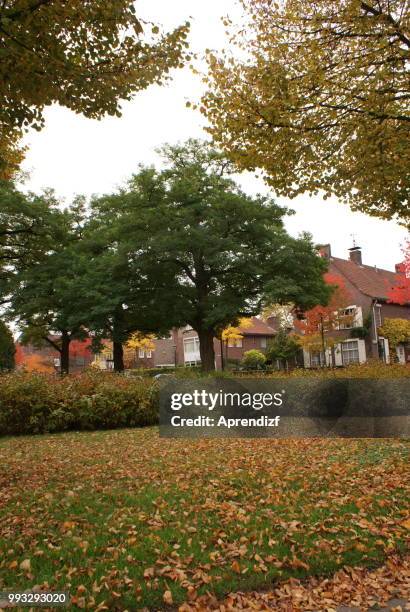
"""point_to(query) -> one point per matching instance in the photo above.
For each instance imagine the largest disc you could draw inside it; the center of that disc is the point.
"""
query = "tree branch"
(387, 17)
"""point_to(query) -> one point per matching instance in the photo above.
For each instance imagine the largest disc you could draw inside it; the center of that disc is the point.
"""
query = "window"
(191, 345)
(347, 317)
(141, 353)
(378, 315)
(350, 352)
(149, 354)
(316, 359)
(263, 342)
(191, 350)
(235, 342)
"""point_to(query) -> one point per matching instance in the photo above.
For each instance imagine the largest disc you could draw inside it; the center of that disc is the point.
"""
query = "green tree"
(318, 98)
(7, 348)
(284, 347)
(29, 227)
(222, 253)
(87, 55)
(116, 298)
(44, 294)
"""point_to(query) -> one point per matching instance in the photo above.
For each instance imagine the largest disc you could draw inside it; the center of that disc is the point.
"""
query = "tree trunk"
(65, 353)
(206, 349)
(118, 354)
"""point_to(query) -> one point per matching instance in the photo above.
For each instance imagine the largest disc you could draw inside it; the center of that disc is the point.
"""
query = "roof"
(257, 328)
(371, 281)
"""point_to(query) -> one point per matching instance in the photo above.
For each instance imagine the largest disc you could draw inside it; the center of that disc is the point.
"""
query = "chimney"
(400, 268)
(325, 251)
(355, 255)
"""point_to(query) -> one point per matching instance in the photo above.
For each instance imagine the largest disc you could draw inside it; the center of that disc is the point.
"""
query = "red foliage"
(19, 354)
(80, 348)
(400, 292)
(329, 314)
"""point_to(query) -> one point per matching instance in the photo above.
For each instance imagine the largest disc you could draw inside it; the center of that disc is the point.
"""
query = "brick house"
(255, 336)
(369, 288)
(181, 347)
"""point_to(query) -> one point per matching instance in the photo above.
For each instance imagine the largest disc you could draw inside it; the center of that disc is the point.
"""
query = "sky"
(74, 155)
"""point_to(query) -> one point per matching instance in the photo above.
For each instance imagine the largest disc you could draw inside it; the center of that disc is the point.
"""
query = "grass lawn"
(132, 520)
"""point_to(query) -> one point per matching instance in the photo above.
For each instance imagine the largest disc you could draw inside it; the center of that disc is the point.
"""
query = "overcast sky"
(76, 155)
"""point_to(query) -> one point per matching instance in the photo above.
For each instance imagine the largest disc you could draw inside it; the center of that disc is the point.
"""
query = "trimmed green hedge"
(37, 403)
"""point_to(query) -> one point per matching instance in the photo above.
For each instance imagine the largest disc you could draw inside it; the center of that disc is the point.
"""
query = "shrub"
(253, 359)
(39, 403)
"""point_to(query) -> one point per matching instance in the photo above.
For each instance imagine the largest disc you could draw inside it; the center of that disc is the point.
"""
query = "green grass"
(94, 511)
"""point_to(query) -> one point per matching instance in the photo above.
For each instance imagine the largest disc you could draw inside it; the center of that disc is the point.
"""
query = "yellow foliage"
(397, 331)
(234, 333)
(86, 56)
(138, 340)
(11, 153)
(315, 93)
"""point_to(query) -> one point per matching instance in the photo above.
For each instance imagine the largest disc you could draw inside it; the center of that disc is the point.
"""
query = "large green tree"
(223, 253)
(44, 295)
(113, 298)
(87, 55)
(317, 96)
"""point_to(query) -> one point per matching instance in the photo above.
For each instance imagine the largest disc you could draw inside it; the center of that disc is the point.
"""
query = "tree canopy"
(30, 225)
(44, 298)
(317, 96)
(87, 55)
(209, 252)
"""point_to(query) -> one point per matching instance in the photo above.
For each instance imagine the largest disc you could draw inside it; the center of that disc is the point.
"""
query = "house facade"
(181, 348)
(369, 288)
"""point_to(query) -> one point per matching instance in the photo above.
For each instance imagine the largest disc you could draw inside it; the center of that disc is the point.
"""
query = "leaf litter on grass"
(126, 520)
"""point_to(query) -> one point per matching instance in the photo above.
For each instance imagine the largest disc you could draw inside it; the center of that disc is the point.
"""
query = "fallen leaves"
(351, 587)
(167, 597)
(25, 565)
(125, 516)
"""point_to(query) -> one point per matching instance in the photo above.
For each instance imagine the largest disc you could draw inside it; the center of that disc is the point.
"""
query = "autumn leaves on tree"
(317, 97)
(87, 55)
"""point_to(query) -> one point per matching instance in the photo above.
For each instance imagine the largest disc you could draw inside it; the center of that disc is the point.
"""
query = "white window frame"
(235, 342)
(357, 317)
(141, 353)
(148, 354)
(349, 350)
(378, 315)
(191, 357)
(264, 342)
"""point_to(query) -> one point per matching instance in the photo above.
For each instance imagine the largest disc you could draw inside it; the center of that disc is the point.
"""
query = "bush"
(253, 359)
(38, 403)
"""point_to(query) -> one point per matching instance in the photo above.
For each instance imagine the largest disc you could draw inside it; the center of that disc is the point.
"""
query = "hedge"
(32, 403)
